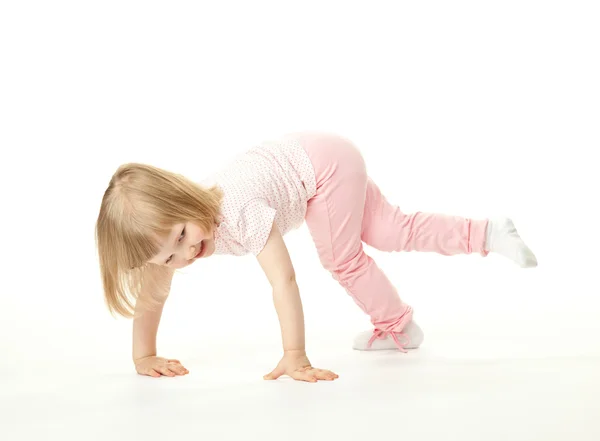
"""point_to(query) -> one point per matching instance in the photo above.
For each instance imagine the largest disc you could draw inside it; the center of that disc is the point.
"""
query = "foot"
(411, 337)
(502, 238)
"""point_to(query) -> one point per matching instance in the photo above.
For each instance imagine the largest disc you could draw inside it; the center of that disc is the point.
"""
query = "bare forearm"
(148, 310)
(286, 298)
(145, 328)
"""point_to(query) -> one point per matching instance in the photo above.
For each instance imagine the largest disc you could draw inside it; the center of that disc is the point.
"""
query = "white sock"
(502, 238)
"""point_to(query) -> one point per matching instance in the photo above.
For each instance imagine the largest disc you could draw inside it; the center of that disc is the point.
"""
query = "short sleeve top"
(269, 183)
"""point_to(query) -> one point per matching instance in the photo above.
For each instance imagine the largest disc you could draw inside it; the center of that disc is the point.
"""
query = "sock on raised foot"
(502, 238)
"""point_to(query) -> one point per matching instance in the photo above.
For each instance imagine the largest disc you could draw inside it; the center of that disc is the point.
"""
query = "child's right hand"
(156, 366)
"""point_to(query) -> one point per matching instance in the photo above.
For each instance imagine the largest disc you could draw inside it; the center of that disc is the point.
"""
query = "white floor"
(440, 392)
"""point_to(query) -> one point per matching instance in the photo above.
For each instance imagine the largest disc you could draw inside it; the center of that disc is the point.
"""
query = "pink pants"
(349, 209)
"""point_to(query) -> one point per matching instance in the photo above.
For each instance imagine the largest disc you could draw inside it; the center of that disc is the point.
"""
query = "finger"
(175, 364)
(304, 376)
(178, 369)
(324, 374)
(275, 374)
(170, 360)
(333, 374)
(164, 370)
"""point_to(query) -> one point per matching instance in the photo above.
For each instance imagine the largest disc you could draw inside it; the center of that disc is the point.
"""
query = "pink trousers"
(349, 209)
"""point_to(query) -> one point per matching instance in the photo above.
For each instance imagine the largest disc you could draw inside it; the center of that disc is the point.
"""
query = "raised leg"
(386, 228)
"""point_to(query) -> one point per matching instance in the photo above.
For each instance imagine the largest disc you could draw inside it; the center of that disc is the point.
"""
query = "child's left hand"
(295, 364)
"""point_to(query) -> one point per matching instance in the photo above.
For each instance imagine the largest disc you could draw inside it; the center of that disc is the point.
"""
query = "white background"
(468, 108)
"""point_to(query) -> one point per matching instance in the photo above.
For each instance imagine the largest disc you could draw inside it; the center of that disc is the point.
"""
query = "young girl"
(152, 222)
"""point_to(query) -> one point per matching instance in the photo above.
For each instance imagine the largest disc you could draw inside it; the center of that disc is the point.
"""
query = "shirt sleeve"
(255, 224)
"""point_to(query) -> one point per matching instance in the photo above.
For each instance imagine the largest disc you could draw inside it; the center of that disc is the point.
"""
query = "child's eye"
(178, 240)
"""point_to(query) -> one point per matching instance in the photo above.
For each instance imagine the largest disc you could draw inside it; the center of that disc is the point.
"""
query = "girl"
(152, 222)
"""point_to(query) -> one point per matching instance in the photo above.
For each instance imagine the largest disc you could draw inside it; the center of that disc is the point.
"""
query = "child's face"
(185, 243)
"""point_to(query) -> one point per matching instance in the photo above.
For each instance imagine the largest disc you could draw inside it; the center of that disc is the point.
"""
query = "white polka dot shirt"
(271, 182)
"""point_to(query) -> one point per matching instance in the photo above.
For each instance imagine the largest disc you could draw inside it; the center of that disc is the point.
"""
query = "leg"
(386, 228)
(334, 218)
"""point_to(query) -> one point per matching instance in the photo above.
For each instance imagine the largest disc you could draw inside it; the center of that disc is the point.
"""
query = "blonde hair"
(141, 205)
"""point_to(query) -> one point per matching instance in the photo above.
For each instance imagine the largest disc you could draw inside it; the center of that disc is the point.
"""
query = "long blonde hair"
(141, 205)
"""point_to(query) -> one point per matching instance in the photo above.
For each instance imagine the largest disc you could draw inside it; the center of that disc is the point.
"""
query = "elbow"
(291, 278)
(284, 281)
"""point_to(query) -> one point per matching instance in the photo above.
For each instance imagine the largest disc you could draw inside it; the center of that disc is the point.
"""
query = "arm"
(148, 311)
(276, 263)
(145, 328)
(147, 319)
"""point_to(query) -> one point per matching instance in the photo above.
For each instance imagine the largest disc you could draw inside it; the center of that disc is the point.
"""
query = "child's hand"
(295, 364)
(157, 366)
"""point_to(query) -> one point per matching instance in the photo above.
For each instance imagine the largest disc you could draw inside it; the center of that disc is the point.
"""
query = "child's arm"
(145, 327)
(276, 263)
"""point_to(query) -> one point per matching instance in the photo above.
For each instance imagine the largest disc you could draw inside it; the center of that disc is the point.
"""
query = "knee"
(345, 272)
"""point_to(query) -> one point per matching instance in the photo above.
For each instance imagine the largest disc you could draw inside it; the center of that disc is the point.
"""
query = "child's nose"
(191, 252)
